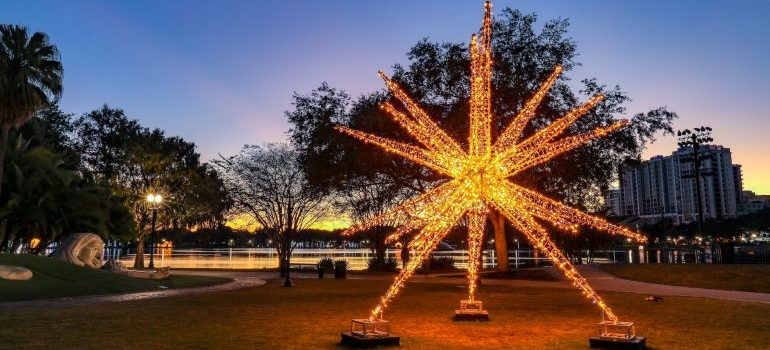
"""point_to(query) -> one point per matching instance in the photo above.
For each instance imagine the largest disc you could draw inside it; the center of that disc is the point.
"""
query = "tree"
(361, 182)
(134, 161)
(268, 184)
(46, 201)
(437, 75)
(103, 138)
(53, 129)
(33, 177)
(204, 201)
(366, 197)
(30, 78)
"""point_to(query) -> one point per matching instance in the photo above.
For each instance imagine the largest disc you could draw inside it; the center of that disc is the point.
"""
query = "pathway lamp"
(697, 140)
(517, 251)
(153, 200)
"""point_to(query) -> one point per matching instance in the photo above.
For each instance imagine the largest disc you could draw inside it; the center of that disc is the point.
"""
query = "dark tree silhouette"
(267, 184)
(30, 78)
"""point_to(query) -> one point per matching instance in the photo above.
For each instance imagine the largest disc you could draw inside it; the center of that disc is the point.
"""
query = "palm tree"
(45, 200)
(30, 78)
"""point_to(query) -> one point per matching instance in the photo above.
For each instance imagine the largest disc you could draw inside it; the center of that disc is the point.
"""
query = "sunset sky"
(221, 73)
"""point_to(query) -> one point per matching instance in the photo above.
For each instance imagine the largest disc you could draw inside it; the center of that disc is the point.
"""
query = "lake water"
(262, 258)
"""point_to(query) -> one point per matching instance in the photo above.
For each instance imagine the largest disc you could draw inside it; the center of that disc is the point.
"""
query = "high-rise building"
(738, 182)
(752, 203)
(650, 189)
(658, 188)
(717, 184)
(613, 202)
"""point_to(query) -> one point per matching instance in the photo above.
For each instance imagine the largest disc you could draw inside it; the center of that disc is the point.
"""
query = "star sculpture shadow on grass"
(479, 177)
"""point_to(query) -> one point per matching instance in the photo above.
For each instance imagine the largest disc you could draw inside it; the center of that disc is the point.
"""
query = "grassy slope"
(749, 278)
(55, 279)
(312, 314)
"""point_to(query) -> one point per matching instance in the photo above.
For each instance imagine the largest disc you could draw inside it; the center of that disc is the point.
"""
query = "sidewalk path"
(599, 279)
(602, 280)
(238, 282)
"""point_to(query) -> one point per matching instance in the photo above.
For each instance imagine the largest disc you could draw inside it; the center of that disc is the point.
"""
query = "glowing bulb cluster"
(479, 178)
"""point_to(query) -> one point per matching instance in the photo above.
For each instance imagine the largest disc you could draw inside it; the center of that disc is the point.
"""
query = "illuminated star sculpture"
(480, 177)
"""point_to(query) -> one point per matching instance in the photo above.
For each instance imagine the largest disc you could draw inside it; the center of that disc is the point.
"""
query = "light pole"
(154, 201)
(696, 140)
(517, 251)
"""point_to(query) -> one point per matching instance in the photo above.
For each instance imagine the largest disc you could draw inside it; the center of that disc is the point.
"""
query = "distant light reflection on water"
(266, 258)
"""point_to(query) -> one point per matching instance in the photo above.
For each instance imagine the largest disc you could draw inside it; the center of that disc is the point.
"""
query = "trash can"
(321, 271)
(727, 253)
(340, 269)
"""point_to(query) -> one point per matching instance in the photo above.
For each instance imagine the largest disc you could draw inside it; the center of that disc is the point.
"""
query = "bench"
(303, 267)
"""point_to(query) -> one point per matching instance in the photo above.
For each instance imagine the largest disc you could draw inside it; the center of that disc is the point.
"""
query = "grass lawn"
(531, 274)
(55, 279)
(312, 314)
(749, 278)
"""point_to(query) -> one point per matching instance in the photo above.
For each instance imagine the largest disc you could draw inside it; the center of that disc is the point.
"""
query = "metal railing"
(265, 258)
(358, 258)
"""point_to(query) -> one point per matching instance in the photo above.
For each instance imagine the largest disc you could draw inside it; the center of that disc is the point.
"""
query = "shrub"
(371, 265)
(442, 263)
(326, 264)
(390, 264)
(343, 263)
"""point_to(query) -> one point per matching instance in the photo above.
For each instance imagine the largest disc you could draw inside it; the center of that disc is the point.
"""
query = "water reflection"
(265, 258)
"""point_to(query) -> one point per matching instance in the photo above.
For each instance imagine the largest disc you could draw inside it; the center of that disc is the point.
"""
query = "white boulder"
(14, 273)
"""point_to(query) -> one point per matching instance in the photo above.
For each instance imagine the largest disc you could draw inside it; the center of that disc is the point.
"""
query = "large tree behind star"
(438, 76)
(30, 78)
(363, 182)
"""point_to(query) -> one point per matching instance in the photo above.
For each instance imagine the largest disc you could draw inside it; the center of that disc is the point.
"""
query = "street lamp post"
(696, 140)
(153, 200)
(517, 252)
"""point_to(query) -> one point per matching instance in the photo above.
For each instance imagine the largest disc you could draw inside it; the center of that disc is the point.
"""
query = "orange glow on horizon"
(244, 222)
(332, 224)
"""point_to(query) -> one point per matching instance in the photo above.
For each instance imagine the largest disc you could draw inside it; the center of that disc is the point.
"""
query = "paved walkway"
(603, 281)
(600, 280)
(238, 282)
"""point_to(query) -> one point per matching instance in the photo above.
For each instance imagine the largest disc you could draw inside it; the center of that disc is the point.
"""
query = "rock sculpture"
(14, 273)
(82, 249)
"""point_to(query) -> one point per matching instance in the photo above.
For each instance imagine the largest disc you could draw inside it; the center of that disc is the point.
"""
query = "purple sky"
(221, 73)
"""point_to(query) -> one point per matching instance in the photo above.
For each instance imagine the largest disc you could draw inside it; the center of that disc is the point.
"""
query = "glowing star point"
(479, 177)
